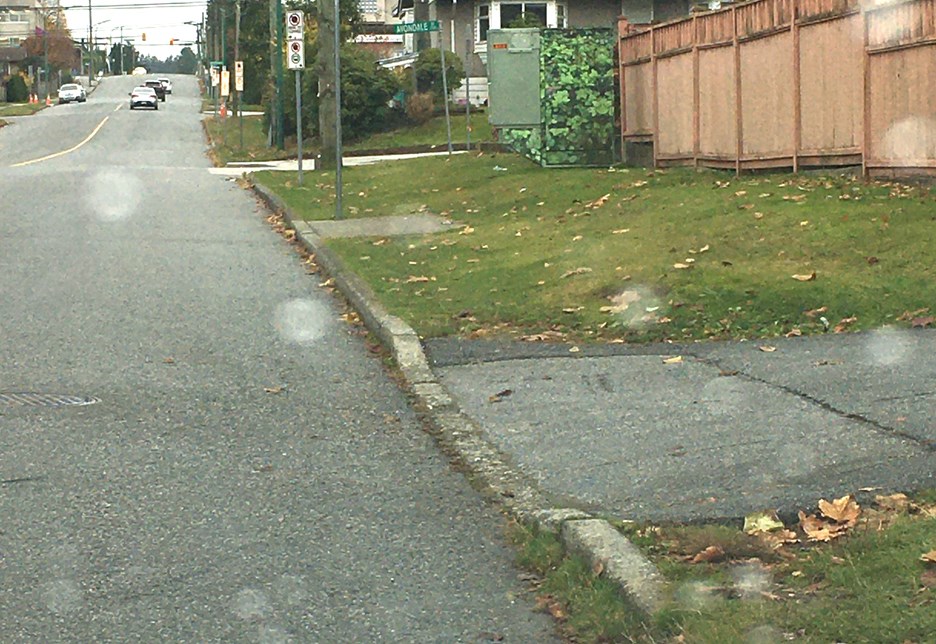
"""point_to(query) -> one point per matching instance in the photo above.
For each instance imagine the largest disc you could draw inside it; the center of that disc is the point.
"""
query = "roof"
(12, 54)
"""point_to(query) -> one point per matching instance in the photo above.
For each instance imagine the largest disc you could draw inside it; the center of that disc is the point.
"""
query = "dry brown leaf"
(895, 502)
(412, 279)
(598, 568)
(620, 231)
(843, 510)
(681, 266)
(545, 336)
(766, 348)
(814, 312)
(929, 557)
(922, 322)
(499, 396)
(805, 278)
(576, 271)
(818, 530)
(712, 554)
(778, 538)
(794, 333)
(467, 230)
(844, 323)
(274, 390)
(169, 360)
(673, 360)
(704, 248)
(909, 315)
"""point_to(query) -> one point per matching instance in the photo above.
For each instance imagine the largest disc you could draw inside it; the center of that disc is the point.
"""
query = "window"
(502, 15)
(483, 22)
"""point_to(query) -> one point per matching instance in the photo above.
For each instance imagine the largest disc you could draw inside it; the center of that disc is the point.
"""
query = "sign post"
(425, 26)
(295, 60)
(239, 87)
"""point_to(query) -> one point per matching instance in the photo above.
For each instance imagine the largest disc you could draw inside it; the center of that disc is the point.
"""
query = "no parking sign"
(295, 40)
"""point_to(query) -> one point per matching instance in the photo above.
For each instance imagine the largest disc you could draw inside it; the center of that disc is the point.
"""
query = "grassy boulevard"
(631, 255)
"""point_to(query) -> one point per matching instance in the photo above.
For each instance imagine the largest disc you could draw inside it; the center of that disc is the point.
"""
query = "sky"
(160, 20)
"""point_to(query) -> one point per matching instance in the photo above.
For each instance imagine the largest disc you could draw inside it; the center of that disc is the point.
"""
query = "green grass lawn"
(870, 585)
(20, 109)
(225, 135)
(632, 255)
(433, 132)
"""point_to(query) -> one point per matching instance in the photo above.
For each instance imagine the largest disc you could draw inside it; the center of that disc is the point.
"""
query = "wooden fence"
(786, 83)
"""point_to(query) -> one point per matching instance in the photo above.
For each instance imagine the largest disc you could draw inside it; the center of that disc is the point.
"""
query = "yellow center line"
(119, 106)
(63, 152)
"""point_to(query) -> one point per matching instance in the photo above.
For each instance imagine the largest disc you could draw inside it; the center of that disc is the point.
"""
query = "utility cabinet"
(514, 77)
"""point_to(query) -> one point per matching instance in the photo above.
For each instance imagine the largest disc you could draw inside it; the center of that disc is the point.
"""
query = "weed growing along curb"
(632, 255)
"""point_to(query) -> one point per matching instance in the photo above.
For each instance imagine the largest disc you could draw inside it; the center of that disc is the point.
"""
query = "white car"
(71, 92)
(167, 85)
(144, 96)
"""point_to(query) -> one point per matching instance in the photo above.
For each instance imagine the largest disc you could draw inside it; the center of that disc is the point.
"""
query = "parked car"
(157, 87)
(167, 84)
(144, 96)
(71, 92)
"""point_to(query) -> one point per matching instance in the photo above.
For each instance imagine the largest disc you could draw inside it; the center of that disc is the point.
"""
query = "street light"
(91, 50)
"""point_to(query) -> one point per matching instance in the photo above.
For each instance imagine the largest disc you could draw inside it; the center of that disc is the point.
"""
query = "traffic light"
(144, 36)
(172, 41)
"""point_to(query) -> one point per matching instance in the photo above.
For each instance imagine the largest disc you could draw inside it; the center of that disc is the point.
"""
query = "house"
(10, 57)
(18, 21)
(465, 24)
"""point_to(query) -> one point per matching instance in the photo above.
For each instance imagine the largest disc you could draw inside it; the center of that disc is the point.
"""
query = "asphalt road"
(250, 473)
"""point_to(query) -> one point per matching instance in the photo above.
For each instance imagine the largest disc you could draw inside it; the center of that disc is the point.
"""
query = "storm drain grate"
(31, 399)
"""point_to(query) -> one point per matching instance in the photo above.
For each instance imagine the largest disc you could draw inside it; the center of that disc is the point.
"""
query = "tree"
(188, 62)
(53, 45)
(429, 72)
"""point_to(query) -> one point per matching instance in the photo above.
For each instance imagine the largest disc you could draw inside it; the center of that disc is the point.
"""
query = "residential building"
(18, 20)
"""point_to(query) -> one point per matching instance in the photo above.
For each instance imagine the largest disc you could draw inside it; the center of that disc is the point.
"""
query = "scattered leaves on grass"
(929, 557)
(922, 322)
(673, 360)
(805, 278)
(545, 336)
(818, 530)
(576, 271)
(499, 396)
(906, 316)
(599, 202)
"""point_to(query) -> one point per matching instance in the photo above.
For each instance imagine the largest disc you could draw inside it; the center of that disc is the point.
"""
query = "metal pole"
(121, 51)
(90, 48)
(299, 124)
(448, 123)
(278, 60)
(468, 53)
(338, 151)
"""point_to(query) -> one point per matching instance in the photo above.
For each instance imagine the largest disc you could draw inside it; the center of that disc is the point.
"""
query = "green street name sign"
(417, 27)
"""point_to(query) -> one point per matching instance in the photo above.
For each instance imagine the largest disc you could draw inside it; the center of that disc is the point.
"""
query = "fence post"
(739, 116)
(623, 28)
(797, 89)
(656, 97)
(866, 95)
(696, 94)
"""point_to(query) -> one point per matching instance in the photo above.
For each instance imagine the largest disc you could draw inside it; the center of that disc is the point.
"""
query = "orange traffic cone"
(48, 101)
(223, 110)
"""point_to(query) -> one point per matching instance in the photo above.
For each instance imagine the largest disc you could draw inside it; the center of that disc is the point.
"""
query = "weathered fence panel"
(786, 83)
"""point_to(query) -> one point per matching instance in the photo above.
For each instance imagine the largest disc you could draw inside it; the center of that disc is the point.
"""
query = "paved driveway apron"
(728, 430)
(249, 473)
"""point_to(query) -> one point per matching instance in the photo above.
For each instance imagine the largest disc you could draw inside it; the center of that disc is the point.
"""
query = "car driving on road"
(71, 92)
(167, 85)
(157, 87)
(144, 96)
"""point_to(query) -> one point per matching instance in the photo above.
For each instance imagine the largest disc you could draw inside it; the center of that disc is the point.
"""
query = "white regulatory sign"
(225, 82)
(239, 75)
(295, 54)
(294, 25)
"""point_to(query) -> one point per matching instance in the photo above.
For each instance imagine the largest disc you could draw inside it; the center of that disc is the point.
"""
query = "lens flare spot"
(301, 321)
(113, 195)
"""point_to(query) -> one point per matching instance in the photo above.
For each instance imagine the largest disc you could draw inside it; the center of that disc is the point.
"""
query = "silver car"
(71, 92)
(143, 97)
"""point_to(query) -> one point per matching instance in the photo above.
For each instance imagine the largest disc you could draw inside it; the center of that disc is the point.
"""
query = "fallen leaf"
(928, 578)
(412, 279)
(804, 223)
(908, 315)
(500, 395)
(576, 271)
(682, 266)
(895, 502)
(545, 336)
(843, 510)
(168, 360)
(711, 554)
(793, 333)
(758, 215)
(598, 568)
(762, 522)
(704, 248)
(728, 372)
(673, 360)
(929, 557)
(844, 323)
(805, 278)
(467, 230)
(818, 530)
(572, 309)
(923, 322)
(872, 260)
(274, 390)
(778, 538)
(814, 312)
(620, 231)
(766, 348)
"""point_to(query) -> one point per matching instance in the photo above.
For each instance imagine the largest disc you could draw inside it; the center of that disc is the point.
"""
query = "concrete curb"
(462, 439)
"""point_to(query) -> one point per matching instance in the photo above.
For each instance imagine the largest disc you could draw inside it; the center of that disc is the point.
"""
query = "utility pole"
(325, 66)
(121, 51)
(237, 102)
(280, 99)
(90, 48)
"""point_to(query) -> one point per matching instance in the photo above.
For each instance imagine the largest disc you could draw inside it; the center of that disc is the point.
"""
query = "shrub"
(420, 107)
(429, 72)
(17, 91)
